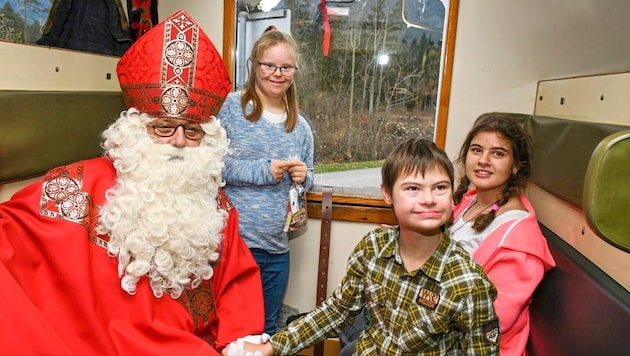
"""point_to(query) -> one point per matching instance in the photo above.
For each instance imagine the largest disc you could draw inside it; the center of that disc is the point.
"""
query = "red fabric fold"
(326, 42)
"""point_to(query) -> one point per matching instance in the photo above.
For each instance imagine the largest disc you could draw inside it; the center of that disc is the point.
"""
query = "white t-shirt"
(469, 239)
(274, 118)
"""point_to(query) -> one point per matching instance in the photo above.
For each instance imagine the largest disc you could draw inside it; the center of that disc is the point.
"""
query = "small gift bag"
(296, 211)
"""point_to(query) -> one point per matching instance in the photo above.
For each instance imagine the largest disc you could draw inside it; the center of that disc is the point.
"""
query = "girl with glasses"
(271, 150)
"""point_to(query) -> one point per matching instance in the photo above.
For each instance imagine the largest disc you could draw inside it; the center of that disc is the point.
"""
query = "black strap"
(324, 252)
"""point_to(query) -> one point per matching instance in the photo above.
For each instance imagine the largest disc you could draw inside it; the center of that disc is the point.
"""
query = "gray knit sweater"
(261, 203)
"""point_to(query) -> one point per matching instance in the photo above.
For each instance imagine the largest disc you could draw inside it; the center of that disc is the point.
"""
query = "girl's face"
(490, 161)
(422, 203)
(275, 84)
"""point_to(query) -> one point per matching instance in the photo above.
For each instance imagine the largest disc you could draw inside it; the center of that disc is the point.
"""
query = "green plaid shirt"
(444, 308)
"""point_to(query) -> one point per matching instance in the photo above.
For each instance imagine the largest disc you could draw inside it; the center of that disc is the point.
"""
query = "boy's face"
(422, 203)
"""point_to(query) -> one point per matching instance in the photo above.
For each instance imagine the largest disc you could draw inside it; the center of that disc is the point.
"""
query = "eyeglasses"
(167, 130)
(269, 69)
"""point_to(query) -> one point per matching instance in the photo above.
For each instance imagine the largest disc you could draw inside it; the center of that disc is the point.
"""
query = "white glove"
(237, 348)
(257, 339)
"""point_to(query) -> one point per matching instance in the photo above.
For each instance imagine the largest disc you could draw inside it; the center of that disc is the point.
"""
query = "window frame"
(349, 206)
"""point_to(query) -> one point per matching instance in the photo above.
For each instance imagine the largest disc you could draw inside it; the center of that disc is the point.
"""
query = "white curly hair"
(162, 215)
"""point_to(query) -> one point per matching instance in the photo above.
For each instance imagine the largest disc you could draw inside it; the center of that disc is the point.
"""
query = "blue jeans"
(274, 271)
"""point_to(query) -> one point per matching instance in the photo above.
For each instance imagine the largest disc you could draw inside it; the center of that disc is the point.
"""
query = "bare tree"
(34, 8)
(361, 107)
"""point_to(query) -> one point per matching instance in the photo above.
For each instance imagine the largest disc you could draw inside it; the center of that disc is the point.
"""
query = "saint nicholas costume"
(61, 289)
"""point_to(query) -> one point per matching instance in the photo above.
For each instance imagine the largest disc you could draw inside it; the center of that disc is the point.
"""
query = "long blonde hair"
(269, 39)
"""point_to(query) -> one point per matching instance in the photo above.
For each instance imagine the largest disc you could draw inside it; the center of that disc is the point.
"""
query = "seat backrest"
(45, 129)
(578, 309)
(562, 150)
(606, 198)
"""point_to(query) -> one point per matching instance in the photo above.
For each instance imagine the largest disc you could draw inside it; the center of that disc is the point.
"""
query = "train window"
(112, 26)
(368, 78)
(22, 21)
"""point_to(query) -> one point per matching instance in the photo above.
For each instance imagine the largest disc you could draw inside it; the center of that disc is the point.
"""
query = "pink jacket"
(515, 257)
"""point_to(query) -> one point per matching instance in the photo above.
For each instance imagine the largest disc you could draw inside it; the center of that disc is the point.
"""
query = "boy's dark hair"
(413, 156)
(512, 131)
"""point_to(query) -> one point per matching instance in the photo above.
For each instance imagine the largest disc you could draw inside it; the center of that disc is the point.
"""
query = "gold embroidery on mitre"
(179, 56)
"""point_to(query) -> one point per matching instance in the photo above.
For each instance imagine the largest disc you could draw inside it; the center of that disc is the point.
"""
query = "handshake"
(237, 348)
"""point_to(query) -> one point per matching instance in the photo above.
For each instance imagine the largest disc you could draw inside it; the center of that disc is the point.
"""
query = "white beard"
(162, 215)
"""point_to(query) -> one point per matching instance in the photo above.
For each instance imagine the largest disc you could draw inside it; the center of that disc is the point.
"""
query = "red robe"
(60, 291)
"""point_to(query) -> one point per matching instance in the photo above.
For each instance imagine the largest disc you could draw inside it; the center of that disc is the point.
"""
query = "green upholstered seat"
(606, 197)
(562, 149)
(42, 130)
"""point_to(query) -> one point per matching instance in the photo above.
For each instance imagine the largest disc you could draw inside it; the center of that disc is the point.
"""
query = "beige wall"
(32, 67)
(207, 13)
(509, 53)
(504, 47)
(601, 98)
(302, 289)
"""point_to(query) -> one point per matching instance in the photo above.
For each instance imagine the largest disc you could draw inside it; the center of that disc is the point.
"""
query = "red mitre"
(174, 71)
